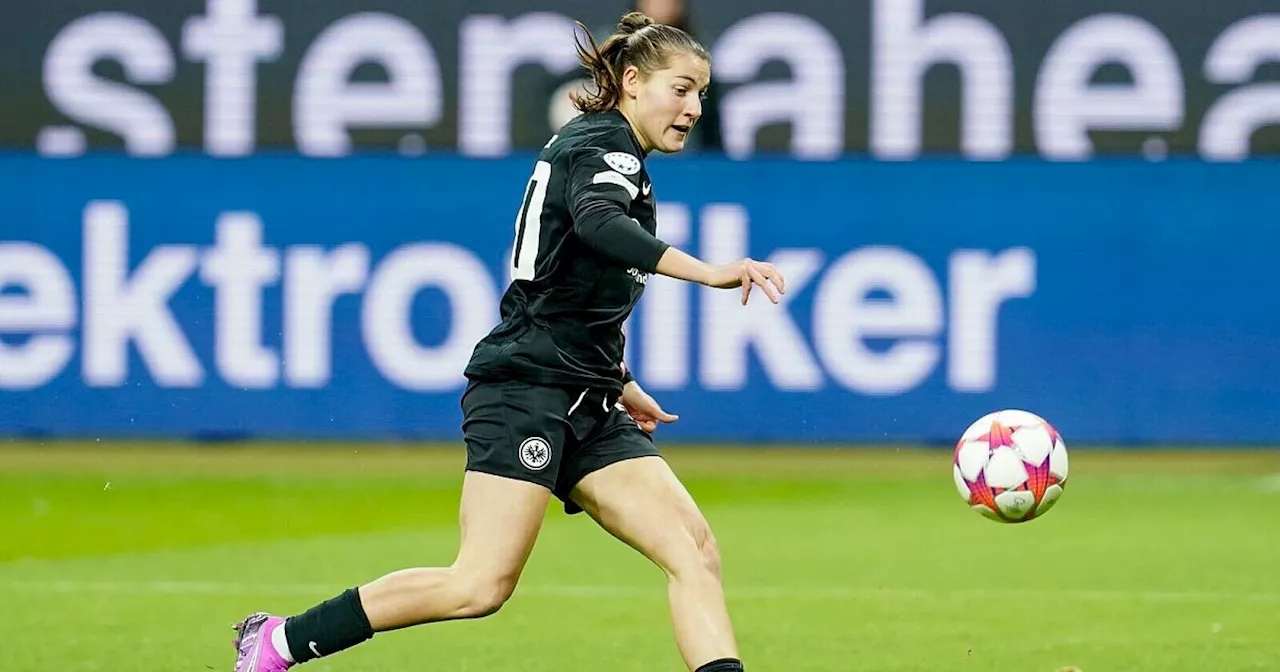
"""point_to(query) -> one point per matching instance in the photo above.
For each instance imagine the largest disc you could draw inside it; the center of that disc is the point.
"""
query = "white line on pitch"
(605, 591)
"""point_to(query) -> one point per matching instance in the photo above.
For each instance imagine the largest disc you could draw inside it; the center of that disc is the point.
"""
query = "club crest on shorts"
(535, 453)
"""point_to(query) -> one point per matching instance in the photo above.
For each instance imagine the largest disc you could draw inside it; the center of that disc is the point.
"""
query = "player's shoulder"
(603, 135)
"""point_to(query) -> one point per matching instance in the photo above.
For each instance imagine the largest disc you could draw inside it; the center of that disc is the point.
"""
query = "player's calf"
(401, 599)
(426, 595)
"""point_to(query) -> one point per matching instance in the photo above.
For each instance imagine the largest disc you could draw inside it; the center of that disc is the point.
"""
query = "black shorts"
(547, 435)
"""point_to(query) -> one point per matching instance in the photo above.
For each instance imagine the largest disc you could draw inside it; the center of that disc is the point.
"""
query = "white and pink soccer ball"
(1011, 466)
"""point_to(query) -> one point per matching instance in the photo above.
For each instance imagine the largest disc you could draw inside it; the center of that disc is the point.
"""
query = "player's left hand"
(643, 408)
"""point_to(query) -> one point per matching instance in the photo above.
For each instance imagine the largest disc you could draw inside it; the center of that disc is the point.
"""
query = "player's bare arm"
(746, 273)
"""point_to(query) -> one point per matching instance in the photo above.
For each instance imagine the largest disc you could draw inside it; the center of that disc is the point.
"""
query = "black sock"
(722, 665)
(327, 628)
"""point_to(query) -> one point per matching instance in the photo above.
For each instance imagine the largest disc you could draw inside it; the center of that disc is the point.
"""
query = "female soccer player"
(549, 407)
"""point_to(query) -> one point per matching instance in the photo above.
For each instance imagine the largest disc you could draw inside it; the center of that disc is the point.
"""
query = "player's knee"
(708, 550)
(698, 557)
(486, 595)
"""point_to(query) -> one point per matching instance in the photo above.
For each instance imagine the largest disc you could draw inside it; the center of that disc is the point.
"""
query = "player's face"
(669, 102)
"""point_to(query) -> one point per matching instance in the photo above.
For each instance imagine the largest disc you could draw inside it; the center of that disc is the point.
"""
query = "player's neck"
(629, 114)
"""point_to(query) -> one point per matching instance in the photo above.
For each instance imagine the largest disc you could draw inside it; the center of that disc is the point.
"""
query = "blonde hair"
(638, 41)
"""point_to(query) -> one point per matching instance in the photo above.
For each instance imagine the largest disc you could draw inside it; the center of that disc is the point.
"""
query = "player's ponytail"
(638, 41)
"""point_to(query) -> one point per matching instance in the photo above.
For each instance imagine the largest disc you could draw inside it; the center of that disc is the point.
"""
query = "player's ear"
(631, 81)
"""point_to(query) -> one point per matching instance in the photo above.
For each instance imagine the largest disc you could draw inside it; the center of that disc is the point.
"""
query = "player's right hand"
(746, 274)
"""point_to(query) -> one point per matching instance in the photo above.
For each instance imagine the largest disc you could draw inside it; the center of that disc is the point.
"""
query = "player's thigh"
(514, 434)
(642, 502)
(500, 519)
(615, 438)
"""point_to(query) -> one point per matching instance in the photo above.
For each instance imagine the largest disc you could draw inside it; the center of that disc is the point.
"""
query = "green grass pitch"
(121, 558)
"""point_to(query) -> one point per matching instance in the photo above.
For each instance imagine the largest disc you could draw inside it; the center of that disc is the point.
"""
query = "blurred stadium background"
(246, 247)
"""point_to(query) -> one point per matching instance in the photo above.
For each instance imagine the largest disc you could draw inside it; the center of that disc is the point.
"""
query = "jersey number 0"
(524, 258)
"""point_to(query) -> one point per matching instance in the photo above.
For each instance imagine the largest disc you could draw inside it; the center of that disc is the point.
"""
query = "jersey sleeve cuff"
(658, 249)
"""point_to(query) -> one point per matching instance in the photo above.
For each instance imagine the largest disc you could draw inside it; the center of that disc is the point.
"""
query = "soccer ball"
(1011, 466)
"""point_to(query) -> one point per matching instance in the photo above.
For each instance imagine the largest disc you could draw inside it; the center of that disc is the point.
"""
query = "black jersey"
(585, 246)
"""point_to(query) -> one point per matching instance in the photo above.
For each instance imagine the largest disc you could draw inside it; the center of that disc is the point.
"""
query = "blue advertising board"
(287, 297)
